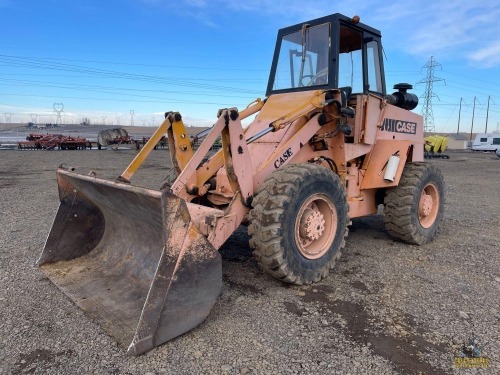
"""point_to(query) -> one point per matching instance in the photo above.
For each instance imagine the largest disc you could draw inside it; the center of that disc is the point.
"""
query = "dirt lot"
(387, 308)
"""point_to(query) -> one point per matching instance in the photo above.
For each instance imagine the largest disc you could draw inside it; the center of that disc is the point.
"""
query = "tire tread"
(269, 205)
(400, 204)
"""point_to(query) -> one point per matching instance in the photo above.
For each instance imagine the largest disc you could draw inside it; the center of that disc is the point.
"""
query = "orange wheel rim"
(315, 226)
(428, 206)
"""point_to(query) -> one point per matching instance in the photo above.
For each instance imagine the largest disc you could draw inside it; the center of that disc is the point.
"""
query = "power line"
(155, 100)
(235, 80)
(94, 88)
(136, 64)
(41, 64)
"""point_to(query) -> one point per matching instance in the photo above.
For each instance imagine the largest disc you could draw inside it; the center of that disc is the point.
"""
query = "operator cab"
(328, 53)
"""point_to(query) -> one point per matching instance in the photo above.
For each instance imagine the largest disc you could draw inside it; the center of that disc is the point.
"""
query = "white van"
(486, 142)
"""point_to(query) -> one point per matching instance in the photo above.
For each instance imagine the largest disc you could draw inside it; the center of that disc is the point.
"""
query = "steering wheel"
(319, 78)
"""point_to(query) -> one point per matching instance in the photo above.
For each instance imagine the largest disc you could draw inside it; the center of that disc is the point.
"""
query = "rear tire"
(415, 208)
(299, 223)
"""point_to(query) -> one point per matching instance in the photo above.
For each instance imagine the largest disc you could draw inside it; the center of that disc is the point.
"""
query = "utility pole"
(487, 113)
(429, 94)
(459, 112)
(473, 112)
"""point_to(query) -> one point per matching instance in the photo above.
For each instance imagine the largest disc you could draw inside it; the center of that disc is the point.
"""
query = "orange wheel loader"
(326, 145)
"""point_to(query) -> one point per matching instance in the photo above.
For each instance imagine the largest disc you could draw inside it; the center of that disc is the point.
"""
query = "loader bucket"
(132, 259)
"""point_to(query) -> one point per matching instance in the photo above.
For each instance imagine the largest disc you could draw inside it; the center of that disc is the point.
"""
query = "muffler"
(132, 259)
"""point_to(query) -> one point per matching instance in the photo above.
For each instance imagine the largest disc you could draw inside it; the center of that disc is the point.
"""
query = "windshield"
(303, 58)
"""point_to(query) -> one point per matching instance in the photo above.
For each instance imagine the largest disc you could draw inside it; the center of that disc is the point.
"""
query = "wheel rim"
(315, 226)
(428, 206)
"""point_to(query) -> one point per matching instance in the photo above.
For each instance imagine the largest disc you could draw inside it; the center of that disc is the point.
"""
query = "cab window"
(351, 59)
(303, 58)
(374, 72)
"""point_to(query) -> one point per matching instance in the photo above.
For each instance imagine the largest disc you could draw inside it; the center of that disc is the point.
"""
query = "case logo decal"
(398, 126)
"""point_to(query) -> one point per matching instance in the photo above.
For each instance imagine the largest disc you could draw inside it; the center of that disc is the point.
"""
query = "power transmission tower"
(429, 94)
(8, 115)
(58, 109)
(34, 118)
(132, 117)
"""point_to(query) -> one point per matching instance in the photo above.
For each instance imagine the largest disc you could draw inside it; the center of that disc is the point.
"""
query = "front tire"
(299, 223)
(415, 208)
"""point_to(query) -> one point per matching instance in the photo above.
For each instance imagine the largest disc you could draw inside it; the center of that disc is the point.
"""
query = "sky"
(124, 61)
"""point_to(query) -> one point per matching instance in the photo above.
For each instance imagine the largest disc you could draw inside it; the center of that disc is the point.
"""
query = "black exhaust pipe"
(401, 98)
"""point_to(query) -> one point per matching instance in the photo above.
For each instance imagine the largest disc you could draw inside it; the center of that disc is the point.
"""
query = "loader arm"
(180, 146)
(236, 159)
(269, 133)
(180, 151)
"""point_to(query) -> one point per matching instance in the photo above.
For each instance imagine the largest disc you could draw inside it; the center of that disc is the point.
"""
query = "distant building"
(458, 141)
(455, 141)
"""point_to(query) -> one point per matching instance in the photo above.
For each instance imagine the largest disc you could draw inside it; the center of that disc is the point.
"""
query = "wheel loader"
(326, 145)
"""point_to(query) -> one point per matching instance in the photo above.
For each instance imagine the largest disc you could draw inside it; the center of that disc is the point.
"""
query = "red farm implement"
(53, 141)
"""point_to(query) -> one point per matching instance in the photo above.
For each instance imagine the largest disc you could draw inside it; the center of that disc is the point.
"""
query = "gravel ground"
(387, 308)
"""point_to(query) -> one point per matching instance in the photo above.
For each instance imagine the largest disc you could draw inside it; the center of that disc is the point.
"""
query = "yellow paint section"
(283, 108)
(183, 149)
(144, 152)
